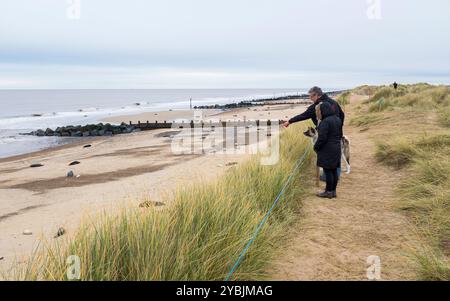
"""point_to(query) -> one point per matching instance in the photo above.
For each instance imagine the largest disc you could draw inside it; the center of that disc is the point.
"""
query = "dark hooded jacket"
(328, 145)
(310, 113)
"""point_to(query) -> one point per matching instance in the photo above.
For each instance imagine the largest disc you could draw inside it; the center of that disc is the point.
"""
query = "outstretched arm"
(308, 114)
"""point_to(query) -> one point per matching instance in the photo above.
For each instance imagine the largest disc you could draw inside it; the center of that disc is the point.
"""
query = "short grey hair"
(316, 90)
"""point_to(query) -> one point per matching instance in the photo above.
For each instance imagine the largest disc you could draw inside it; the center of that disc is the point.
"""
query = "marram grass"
(421, 97)
(425, 193)
(198, 237)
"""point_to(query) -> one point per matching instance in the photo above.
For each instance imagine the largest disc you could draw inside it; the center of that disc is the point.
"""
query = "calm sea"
(26, 110)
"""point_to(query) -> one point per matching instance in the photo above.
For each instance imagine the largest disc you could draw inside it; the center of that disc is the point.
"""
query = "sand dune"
(116, 170)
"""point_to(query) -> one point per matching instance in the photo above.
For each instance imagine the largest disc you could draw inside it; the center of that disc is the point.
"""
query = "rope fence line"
(263, 221)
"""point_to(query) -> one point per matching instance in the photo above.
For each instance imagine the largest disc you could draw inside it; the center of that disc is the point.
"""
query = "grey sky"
(222, 44)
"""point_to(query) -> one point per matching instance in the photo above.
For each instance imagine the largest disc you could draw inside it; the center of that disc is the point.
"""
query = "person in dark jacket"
(317, 96)
(328, 148)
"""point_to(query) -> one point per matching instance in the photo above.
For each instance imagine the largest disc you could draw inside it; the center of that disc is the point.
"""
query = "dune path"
(334, 238)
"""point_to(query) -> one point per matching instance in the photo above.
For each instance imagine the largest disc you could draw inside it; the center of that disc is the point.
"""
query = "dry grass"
(365, 90)
(365, 120)
(400, 151)
(425, 193)
(444, 117)
(417, 97)
(344, 98)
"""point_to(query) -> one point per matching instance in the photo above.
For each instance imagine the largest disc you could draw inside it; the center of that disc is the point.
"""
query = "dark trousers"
(332, 178)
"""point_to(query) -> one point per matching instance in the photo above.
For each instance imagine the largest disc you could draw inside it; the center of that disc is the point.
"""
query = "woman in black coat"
(328, 148)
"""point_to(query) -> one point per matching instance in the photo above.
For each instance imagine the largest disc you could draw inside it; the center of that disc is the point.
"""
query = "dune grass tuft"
(417, 97)
(432, 265)
(368, 119)
(444, 117)
(425, 195)
(366, 90)
(396, 153)
(344, 98)
(198, 237)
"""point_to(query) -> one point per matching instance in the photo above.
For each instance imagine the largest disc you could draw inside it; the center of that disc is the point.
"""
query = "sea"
(22, 111)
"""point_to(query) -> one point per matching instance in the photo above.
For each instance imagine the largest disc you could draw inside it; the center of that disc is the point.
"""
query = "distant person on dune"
(317, 96)
(395, 85)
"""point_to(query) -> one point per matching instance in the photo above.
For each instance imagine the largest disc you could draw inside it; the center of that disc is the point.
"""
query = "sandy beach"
(114, 171)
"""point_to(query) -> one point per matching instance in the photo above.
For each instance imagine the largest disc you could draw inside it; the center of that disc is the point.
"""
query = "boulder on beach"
(49, 132)
(70, 174)
(128, 130)
(40, 133)
(93, 130)
(27, 232)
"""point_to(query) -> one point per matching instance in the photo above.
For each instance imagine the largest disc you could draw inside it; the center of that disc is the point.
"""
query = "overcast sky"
(222, 43)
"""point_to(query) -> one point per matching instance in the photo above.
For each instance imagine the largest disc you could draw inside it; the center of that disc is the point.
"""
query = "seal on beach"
(61, 232)
(36, 165)
(148, 204)
(74, 163)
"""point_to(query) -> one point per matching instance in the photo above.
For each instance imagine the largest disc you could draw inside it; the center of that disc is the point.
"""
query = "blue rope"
(261, 224)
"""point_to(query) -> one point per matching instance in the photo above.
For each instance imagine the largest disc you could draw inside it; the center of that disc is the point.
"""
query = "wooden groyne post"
(148, 126)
